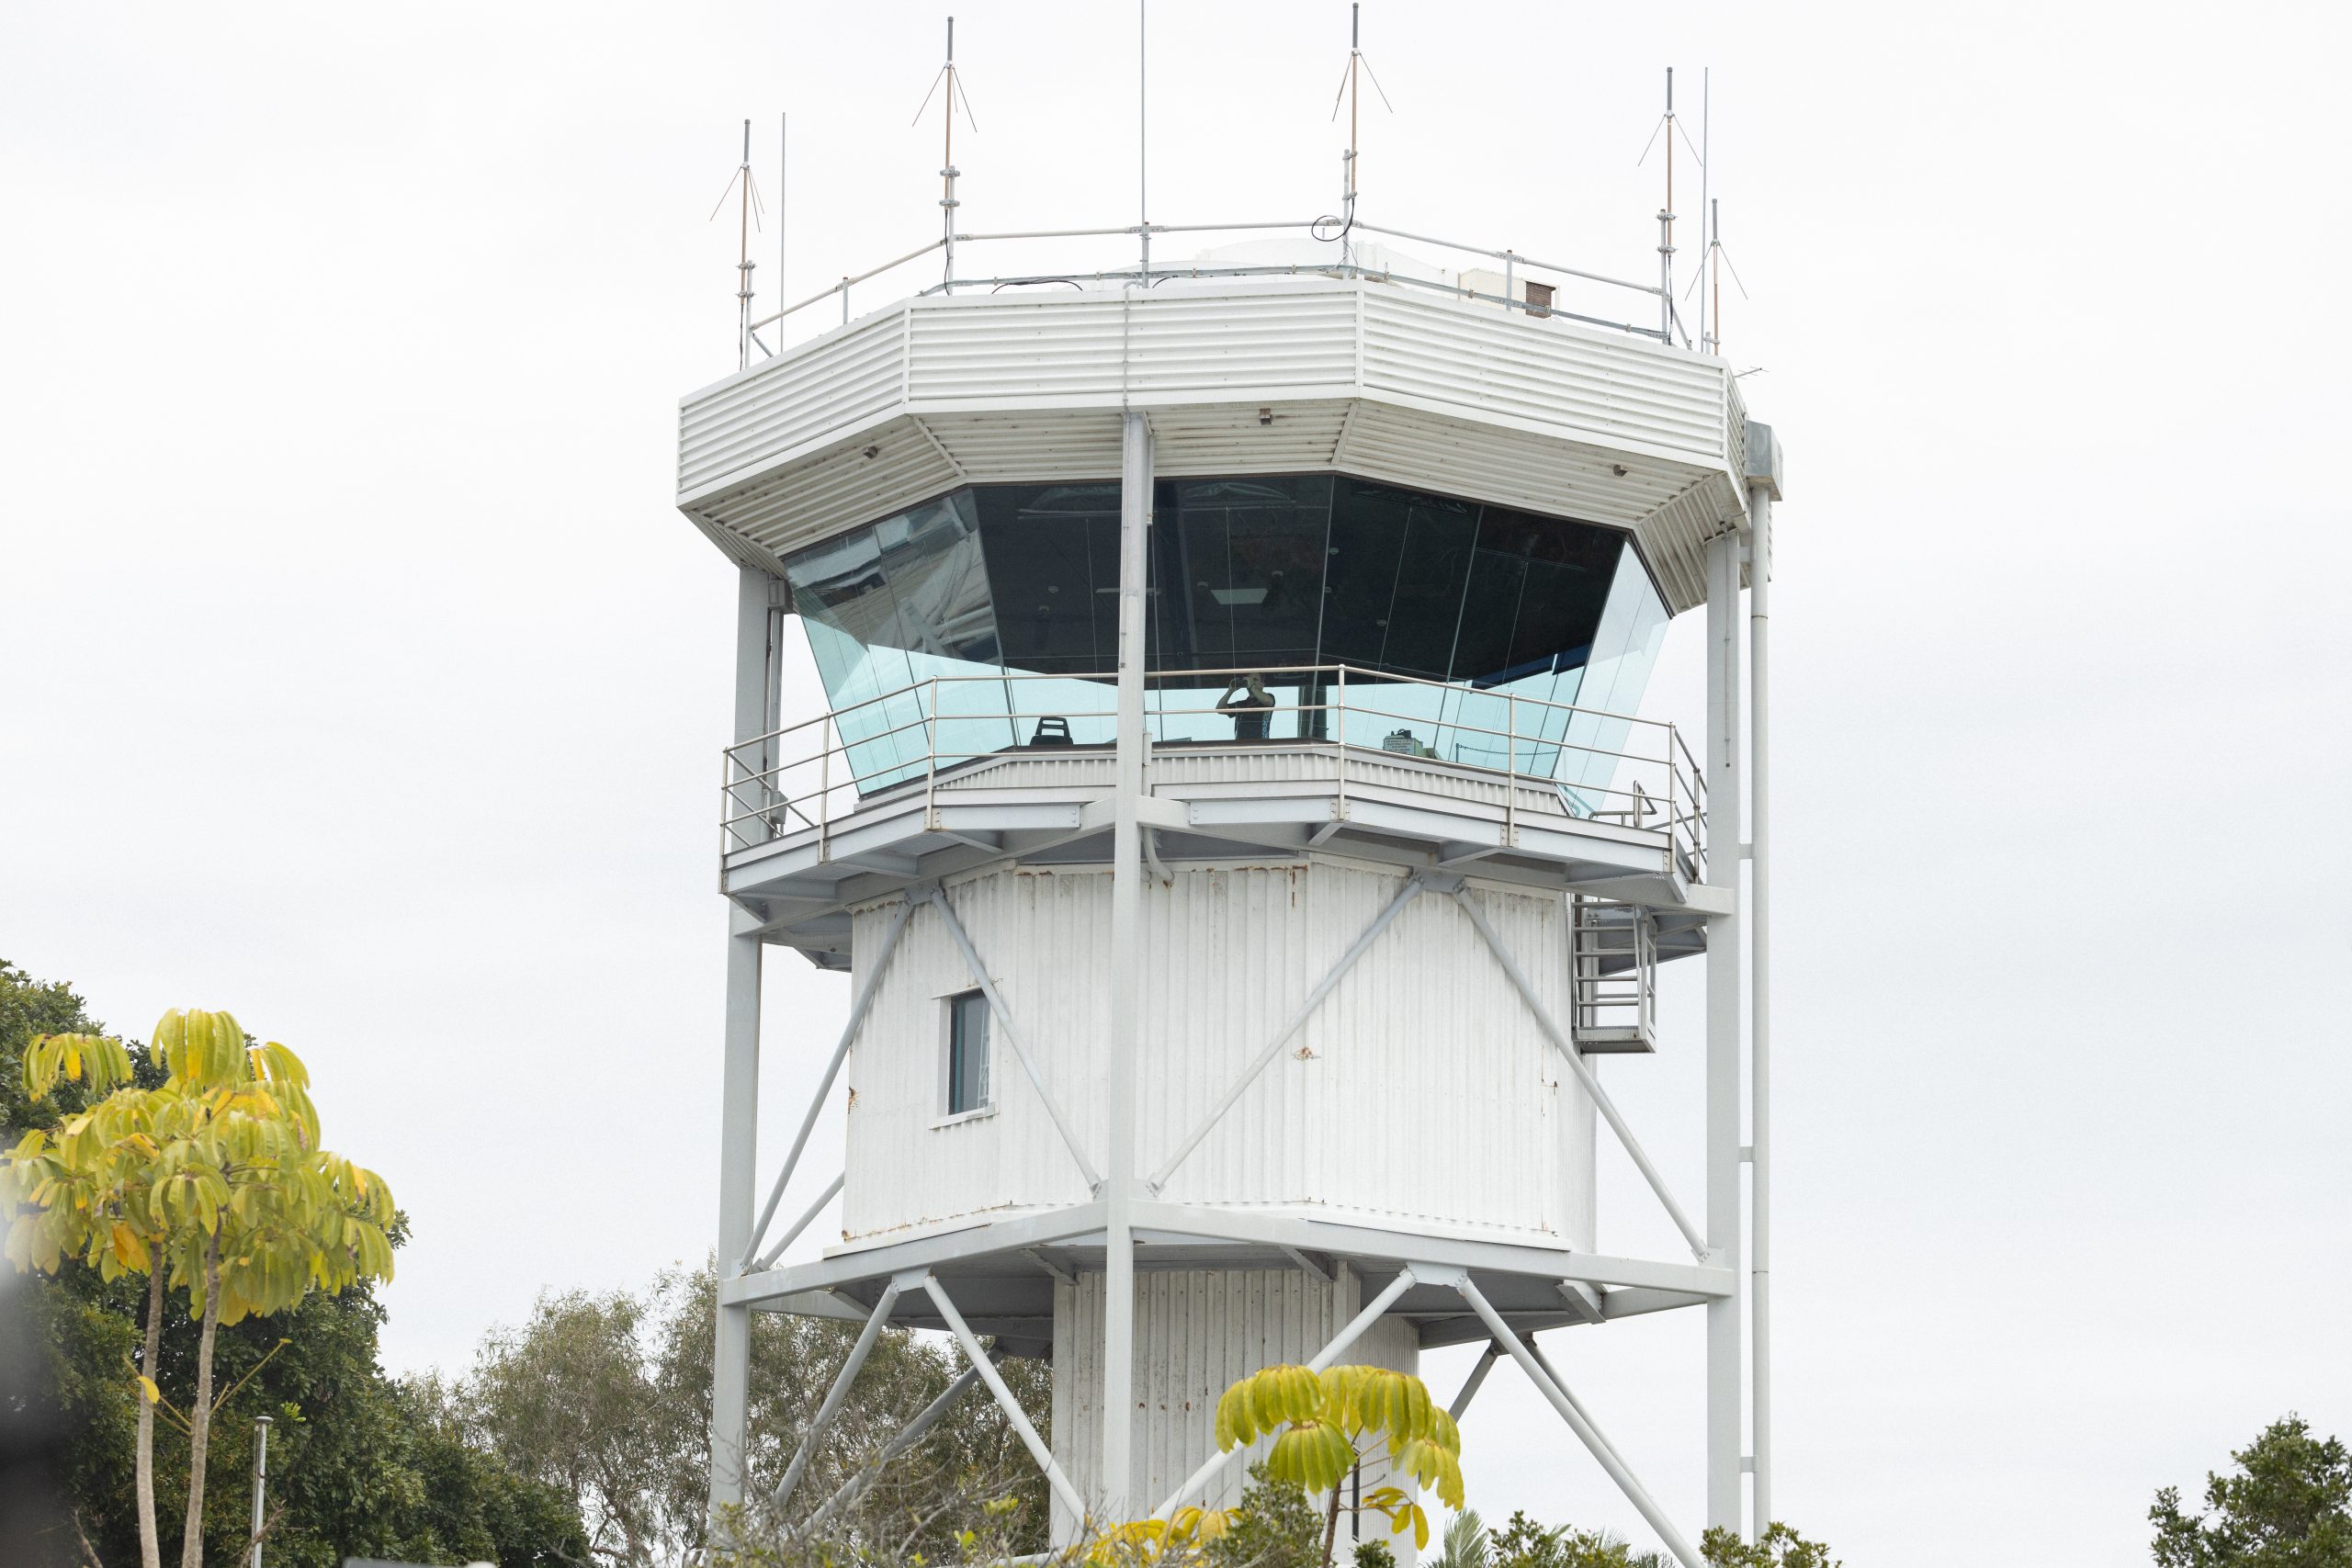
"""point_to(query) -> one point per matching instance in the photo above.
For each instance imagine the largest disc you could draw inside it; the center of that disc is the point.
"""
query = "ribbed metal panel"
(1586, 382)
(807, 502)
(1196, 1333)
(1077, 346)
(1426, 1020)
(851, 374)
(1364, 378)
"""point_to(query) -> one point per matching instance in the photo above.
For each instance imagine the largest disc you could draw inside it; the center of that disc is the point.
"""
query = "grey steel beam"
(981, 1364)
(1004, 1015)
(858, 1011)
(835, 1395)
(1362, 944)
(1571, 1413)
(1585, 1076)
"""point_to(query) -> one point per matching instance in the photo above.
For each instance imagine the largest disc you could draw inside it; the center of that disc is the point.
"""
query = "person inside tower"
(1250, 704)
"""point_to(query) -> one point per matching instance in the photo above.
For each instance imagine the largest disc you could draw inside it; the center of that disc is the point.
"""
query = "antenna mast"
(1666, 225)
(948, 165)
(743, 262)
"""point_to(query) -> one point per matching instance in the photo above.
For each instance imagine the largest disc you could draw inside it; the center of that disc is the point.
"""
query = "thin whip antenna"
(783, 148)
(1143, 136)
(1706, 196)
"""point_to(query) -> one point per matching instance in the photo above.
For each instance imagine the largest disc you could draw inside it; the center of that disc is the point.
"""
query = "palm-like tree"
(1465, 1542)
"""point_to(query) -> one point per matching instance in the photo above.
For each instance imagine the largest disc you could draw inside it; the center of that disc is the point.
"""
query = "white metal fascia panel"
(1004, 448)
(805, 502)
(1674, 539)
(1289, 437)
(1077, 347)
(1511, 468)
(761, 415)
(1552, 372)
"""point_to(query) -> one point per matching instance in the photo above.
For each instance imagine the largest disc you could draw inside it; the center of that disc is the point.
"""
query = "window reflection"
(1007, 594)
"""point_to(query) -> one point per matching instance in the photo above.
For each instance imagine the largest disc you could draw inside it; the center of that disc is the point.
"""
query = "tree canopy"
(360, 1464)
(2287, 1505)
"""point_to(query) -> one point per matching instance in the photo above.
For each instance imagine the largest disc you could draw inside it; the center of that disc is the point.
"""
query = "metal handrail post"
(824, 799)
(930, 762)
(1339, 746)
(1511, 772)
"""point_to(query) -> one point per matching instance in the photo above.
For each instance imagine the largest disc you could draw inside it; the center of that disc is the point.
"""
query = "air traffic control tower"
(1232, 817)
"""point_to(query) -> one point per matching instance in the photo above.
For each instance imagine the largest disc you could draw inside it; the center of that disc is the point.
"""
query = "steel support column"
(740, 1092)
(1725, 996)
(1126, 955)
(1759, 1029)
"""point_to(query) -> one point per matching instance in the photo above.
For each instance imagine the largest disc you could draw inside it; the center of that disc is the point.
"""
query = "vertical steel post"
(1725, 996)
(739, 1108)
(261, 1479)
(1759, 1132)
(1126, 949)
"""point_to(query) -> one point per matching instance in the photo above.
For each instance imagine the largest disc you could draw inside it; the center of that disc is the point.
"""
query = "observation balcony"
(955, 773)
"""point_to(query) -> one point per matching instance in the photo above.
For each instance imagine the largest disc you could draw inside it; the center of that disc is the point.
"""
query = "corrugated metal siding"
(1423, 1046)
(1159, 346)
(1196, 1333)
(1026, 390)
(809, 500)
(1550, 372)
(852, 373)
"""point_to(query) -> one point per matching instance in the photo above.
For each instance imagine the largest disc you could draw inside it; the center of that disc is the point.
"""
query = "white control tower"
(1232, 819)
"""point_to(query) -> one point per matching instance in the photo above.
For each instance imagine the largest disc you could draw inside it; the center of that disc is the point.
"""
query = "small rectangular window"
(1539, 298)
(968, 1053)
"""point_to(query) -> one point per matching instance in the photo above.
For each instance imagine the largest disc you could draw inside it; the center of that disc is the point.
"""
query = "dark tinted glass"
(968, 1053)
(1053, 570)
(928, 619)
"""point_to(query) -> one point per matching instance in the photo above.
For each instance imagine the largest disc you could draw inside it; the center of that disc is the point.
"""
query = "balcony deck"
(803, 843)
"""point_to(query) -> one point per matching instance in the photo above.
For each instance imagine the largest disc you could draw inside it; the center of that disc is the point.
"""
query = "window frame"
(950, 1005)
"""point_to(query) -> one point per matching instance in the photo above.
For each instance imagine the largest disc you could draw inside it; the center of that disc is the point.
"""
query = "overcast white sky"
(356, 674)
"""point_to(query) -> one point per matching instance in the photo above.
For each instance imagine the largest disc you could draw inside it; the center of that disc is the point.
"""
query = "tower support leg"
(1725, 998)
(738, 1113)
(1759, 983)
(1126, 952)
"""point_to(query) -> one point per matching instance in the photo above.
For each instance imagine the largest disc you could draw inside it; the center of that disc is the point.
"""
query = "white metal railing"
(1517, 269)
(807, 777)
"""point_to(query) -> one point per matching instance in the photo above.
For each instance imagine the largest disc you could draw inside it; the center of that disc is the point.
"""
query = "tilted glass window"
(988, 620)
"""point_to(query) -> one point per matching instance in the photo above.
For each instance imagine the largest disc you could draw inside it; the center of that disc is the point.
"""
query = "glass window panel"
(964, 624)
(1624, 650)
(968, 1053)
(1253, 555)
(1053, 569)
(1367, 540)
(1432, 574)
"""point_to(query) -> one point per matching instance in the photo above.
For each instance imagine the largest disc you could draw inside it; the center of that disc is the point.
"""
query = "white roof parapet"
(1284, 375)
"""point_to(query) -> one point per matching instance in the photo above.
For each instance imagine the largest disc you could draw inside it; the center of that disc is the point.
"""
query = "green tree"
(360, 1465)
(2288, 1505)
(216, 1177)
(1329, 1423)
(607, 1398)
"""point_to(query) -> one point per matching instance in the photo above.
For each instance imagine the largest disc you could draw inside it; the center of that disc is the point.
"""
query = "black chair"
(1052, 730)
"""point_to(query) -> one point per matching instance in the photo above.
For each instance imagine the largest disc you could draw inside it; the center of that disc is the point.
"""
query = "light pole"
(261, 1477)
